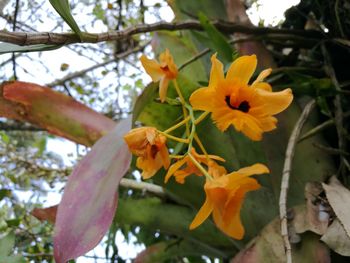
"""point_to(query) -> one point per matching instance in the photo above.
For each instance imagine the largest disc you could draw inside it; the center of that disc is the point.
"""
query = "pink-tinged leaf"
(59, 114)
(48, 214)
(90, 197)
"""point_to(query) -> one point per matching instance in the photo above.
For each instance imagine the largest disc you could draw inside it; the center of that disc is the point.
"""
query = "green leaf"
(9, 48)
(99, 12)
(182, 50)
(4, 193)
(4, 137)
(63, 9)
(40, 144)
(6, 245)
(218, 41)
(13, 222)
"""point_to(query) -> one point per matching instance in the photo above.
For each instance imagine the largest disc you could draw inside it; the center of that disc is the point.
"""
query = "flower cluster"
(231, 100)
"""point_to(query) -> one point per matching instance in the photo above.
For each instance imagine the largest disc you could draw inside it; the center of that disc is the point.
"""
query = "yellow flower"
(150, 147)
(224, 198)
(185, 167)
(231, 100)
(162, 71)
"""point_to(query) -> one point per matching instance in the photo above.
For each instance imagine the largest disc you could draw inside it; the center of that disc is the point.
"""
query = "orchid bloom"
(150, 147)
(231, 100)
(185, 166)
(162, 71)
(224, 198)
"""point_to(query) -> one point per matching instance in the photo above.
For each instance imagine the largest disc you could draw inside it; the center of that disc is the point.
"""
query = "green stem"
(200, 167)
(201, 117)
(193, 127)
(196, 138)
(177, 125)
(175, 138)
(183, 102)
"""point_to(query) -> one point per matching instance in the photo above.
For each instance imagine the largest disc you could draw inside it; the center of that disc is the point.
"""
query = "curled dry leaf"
(48, 214)
(268, 247)
(337, 239)
(339, 199)
(314, 216)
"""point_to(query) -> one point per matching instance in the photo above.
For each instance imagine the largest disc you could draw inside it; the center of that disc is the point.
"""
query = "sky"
(269, 11)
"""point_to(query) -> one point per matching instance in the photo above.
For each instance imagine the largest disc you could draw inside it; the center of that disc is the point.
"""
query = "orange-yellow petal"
(275, 102)
(137, 139)
(268, 123)
(231, 216)
(216, 72)
(164, 155)
(235, 228)
(163, 88)
(202, 214)
(149, 167)
(257, 168)
(202, 99)
(263, 74)
(262, 85)
(236, 197)
(216, 170)
(242, 68)
(223, 118)
(167, 64)
(152, 68)
(248, 125)
(173, 168)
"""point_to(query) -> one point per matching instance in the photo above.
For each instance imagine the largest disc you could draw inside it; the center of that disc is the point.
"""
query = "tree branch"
(25, 39)
(286, 175)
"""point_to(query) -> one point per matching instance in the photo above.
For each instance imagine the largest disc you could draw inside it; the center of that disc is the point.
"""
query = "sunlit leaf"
(217, 40)
(63, 9)
(90, 197)
(9, 48)
(6, 247)
(6, 244)
(5, 193)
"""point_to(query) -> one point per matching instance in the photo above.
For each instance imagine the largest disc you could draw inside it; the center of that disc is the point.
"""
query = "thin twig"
(143, 186)
(195, 57)
(84, 71)
(330, 150)
(320, 128)
(32, 38)
(14, 25)
(207, 50)
(286, 175)
(336, 8)
(338, 115)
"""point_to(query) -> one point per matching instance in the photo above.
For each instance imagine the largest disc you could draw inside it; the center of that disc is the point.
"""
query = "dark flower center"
(154, 151)
(243, 106)
(165, 68)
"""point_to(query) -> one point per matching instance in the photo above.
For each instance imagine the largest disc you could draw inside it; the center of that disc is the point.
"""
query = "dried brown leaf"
(339, 199)
(337, 239)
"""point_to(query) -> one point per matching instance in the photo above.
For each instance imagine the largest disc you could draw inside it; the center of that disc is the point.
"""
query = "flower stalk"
(231, 101)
